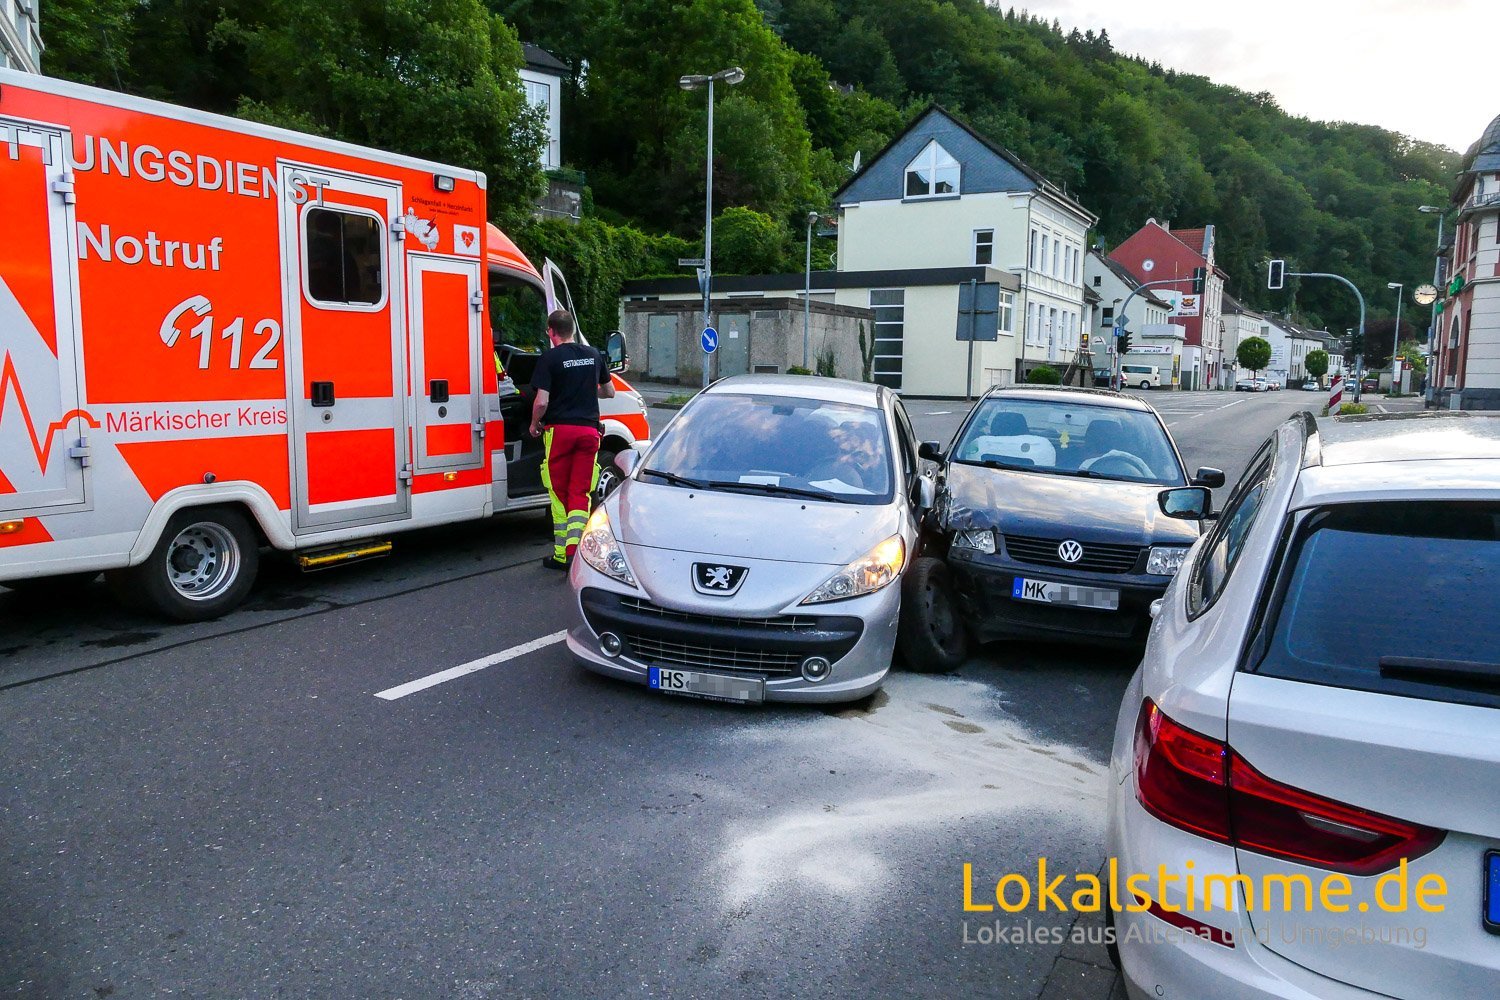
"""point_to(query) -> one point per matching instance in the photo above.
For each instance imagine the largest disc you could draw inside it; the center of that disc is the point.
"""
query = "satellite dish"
(855, 168)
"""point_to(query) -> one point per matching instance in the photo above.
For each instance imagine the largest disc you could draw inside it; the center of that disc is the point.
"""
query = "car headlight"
(1165, 560)
(865, 575)
(600, 550)
(978, 539)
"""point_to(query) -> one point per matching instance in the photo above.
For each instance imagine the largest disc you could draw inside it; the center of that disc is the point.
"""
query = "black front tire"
(202, 567)
(609, 476)
(931, 635)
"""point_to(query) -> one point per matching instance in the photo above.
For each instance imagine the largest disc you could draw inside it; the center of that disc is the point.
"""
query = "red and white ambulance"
(217, 335)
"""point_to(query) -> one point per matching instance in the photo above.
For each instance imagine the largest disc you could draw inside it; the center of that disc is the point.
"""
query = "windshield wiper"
(992, 463)
(675, 479)
(1455, 673)
(777, 490)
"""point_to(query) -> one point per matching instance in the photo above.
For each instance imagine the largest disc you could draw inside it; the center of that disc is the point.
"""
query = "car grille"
(670, 653)
(668, 637)
(1098, 557)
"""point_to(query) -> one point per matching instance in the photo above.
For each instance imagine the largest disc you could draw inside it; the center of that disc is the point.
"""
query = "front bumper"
(982, 586)
(857, 636)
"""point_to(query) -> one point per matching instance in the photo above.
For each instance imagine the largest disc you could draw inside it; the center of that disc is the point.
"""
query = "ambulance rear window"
(344, 258)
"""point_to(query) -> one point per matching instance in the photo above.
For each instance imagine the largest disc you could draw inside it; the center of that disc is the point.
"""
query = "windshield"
(1064, 437)
(777, 445)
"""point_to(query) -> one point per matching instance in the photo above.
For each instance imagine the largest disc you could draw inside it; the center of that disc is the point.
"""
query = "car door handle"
(437, 390)
(322, 394)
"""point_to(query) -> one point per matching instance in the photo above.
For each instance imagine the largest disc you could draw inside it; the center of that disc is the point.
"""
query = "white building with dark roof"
(542, 77)
(20, 36)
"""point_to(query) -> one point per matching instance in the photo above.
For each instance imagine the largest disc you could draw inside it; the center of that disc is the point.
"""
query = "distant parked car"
(1311, 385)
(1273, 383)
(1370, 383)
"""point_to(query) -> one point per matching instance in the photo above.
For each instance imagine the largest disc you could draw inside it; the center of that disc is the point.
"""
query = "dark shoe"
(551, 563)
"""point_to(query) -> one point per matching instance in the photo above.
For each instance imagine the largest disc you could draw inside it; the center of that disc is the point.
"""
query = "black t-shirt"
(571, 374)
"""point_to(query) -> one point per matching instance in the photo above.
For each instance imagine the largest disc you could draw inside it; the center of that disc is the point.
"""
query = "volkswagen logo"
(1069, 551)
(717, 579)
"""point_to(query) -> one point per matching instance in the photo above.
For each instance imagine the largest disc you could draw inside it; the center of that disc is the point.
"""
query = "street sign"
(690, 262)
(709, 340)
(979, 311)
(1425, 295)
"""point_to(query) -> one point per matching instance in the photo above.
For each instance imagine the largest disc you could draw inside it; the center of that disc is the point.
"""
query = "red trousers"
(570, 473)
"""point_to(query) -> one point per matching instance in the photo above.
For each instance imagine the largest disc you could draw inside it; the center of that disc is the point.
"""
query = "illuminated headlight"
(1165, 560)
(600, 550)
(865, 575)
(979, 539)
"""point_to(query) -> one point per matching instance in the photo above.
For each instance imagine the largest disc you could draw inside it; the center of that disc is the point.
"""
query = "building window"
(889, 305)
(539, 95)
(344, 258)
(1056, 253)
(1077, 278)
(1007, 316)
(1031, 261)
(1042, 265)
(933, 174)
(984, 246)
(1107, 316)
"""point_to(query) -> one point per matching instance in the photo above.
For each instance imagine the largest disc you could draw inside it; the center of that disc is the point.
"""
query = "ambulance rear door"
(43, 434)
(344, 303)
(448, 345)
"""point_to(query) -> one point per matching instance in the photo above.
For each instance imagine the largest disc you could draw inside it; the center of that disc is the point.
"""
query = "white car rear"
(1317, 718)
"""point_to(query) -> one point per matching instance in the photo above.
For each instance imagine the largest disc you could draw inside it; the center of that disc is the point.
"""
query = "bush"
(1348, 410)
(798, 370)
(1044, 375)
(749, 242)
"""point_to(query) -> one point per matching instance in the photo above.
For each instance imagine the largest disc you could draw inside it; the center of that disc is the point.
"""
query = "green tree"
(749, 242)
(1254, 354)
(1316, 363)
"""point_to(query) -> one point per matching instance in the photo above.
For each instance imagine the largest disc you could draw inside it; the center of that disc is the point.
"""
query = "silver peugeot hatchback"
(755, 553)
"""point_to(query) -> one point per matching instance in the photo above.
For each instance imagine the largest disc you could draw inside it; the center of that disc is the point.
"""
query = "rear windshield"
(1395, 597)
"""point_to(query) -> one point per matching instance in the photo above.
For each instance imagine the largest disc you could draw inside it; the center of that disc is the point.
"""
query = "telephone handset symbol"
(197, 304)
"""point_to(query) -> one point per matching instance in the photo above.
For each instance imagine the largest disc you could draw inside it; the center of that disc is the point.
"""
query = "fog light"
(611, 645)
(815, 668)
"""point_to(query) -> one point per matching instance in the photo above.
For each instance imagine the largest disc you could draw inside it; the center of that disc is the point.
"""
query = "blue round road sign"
(709, 340)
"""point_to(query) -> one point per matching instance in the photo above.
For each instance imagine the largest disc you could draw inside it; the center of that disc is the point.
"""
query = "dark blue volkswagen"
(1048, 524)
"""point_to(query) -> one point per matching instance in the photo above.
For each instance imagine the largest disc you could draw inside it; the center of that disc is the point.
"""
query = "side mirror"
(614, 349)
(1212, 478)
(1186, 503)
(930, 450)
(926, 493)
(626, 461)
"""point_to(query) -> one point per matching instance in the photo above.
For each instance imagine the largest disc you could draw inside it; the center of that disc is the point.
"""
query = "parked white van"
(1141, 376)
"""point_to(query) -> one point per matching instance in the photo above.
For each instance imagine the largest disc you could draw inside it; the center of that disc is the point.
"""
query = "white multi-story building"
(1146, 315)
(20, 36)
(542, 78)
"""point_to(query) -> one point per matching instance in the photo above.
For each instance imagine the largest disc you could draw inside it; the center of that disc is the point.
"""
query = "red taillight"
(1201, 785)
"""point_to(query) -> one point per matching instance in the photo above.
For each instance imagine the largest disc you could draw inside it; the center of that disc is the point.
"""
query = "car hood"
(1047, 506)
(741, 525)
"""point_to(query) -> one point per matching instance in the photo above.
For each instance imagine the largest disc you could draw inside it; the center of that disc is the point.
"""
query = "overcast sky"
(1426, 69)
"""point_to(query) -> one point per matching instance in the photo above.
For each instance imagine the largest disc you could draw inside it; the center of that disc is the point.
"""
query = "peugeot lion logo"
(1070, 551)
(721, 581)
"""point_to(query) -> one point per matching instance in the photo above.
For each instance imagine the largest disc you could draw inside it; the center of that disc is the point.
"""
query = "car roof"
(1068, 394)
(1436, 456)
(832, 390)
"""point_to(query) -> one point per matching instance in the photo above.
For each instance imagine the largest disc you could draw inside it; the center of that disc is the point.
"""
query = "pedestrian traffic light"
(1200, 276)
(1276, 278)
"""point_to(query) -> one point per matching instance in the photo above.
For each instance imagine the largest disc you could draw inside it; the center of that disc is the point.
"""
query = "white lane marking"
(937, 413)
(1381, 408)
(463, 669)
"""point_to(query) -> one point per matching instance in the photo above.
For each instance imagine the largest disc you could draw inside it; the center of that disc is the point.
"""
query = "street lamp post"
(1399, 289)
(812, 220)
(730, 76)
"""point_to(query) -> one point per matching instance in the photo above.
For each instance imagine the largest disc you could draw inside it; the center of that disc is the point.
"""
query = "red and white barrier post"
(1336, 397)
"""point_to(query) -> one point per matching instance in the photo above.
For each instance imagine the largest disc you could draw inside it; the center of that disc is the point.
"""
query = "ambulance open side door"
(448, 346)
(44, 449)
(344, 304)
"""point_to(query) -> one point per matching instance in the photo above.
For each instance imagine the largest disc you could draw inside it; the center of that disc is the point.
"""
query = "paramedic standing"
(570, 380)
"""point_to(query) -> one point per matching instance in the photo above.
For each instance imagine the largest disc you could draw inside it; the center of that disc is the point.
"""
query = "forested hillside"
(824, 79)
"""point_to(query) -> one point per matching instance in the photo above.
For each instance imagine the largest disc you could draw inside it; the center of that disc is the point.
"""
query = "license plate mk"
(715, 687)
(1067, 594)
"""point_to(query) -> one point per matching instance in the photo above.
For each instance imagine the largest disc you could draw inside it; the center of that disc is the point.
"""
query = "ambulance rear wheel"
(203, 566)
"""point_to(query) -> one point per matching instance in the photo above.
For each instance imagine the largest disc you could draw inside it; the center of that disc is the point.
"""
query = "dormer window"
(933, 174)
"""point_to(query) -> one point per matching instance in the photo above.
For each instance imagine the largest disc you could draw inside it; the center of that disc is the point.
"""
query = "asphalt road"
(228, 810)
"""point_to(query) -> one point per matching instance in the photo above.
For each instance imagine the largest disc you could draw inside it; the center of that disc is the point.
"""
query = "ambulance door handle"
(437, 390)
(322, 394)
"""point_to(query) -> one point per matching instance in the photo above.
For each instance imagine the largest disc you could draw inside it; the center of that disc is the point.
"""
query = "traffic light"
(1200, 276)
(1276, 276)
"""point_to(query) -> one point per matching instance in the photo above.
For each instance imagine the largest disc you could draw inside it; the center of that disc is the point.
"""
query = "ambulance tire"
(931, 636)
(609, 475)
(202, 567)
